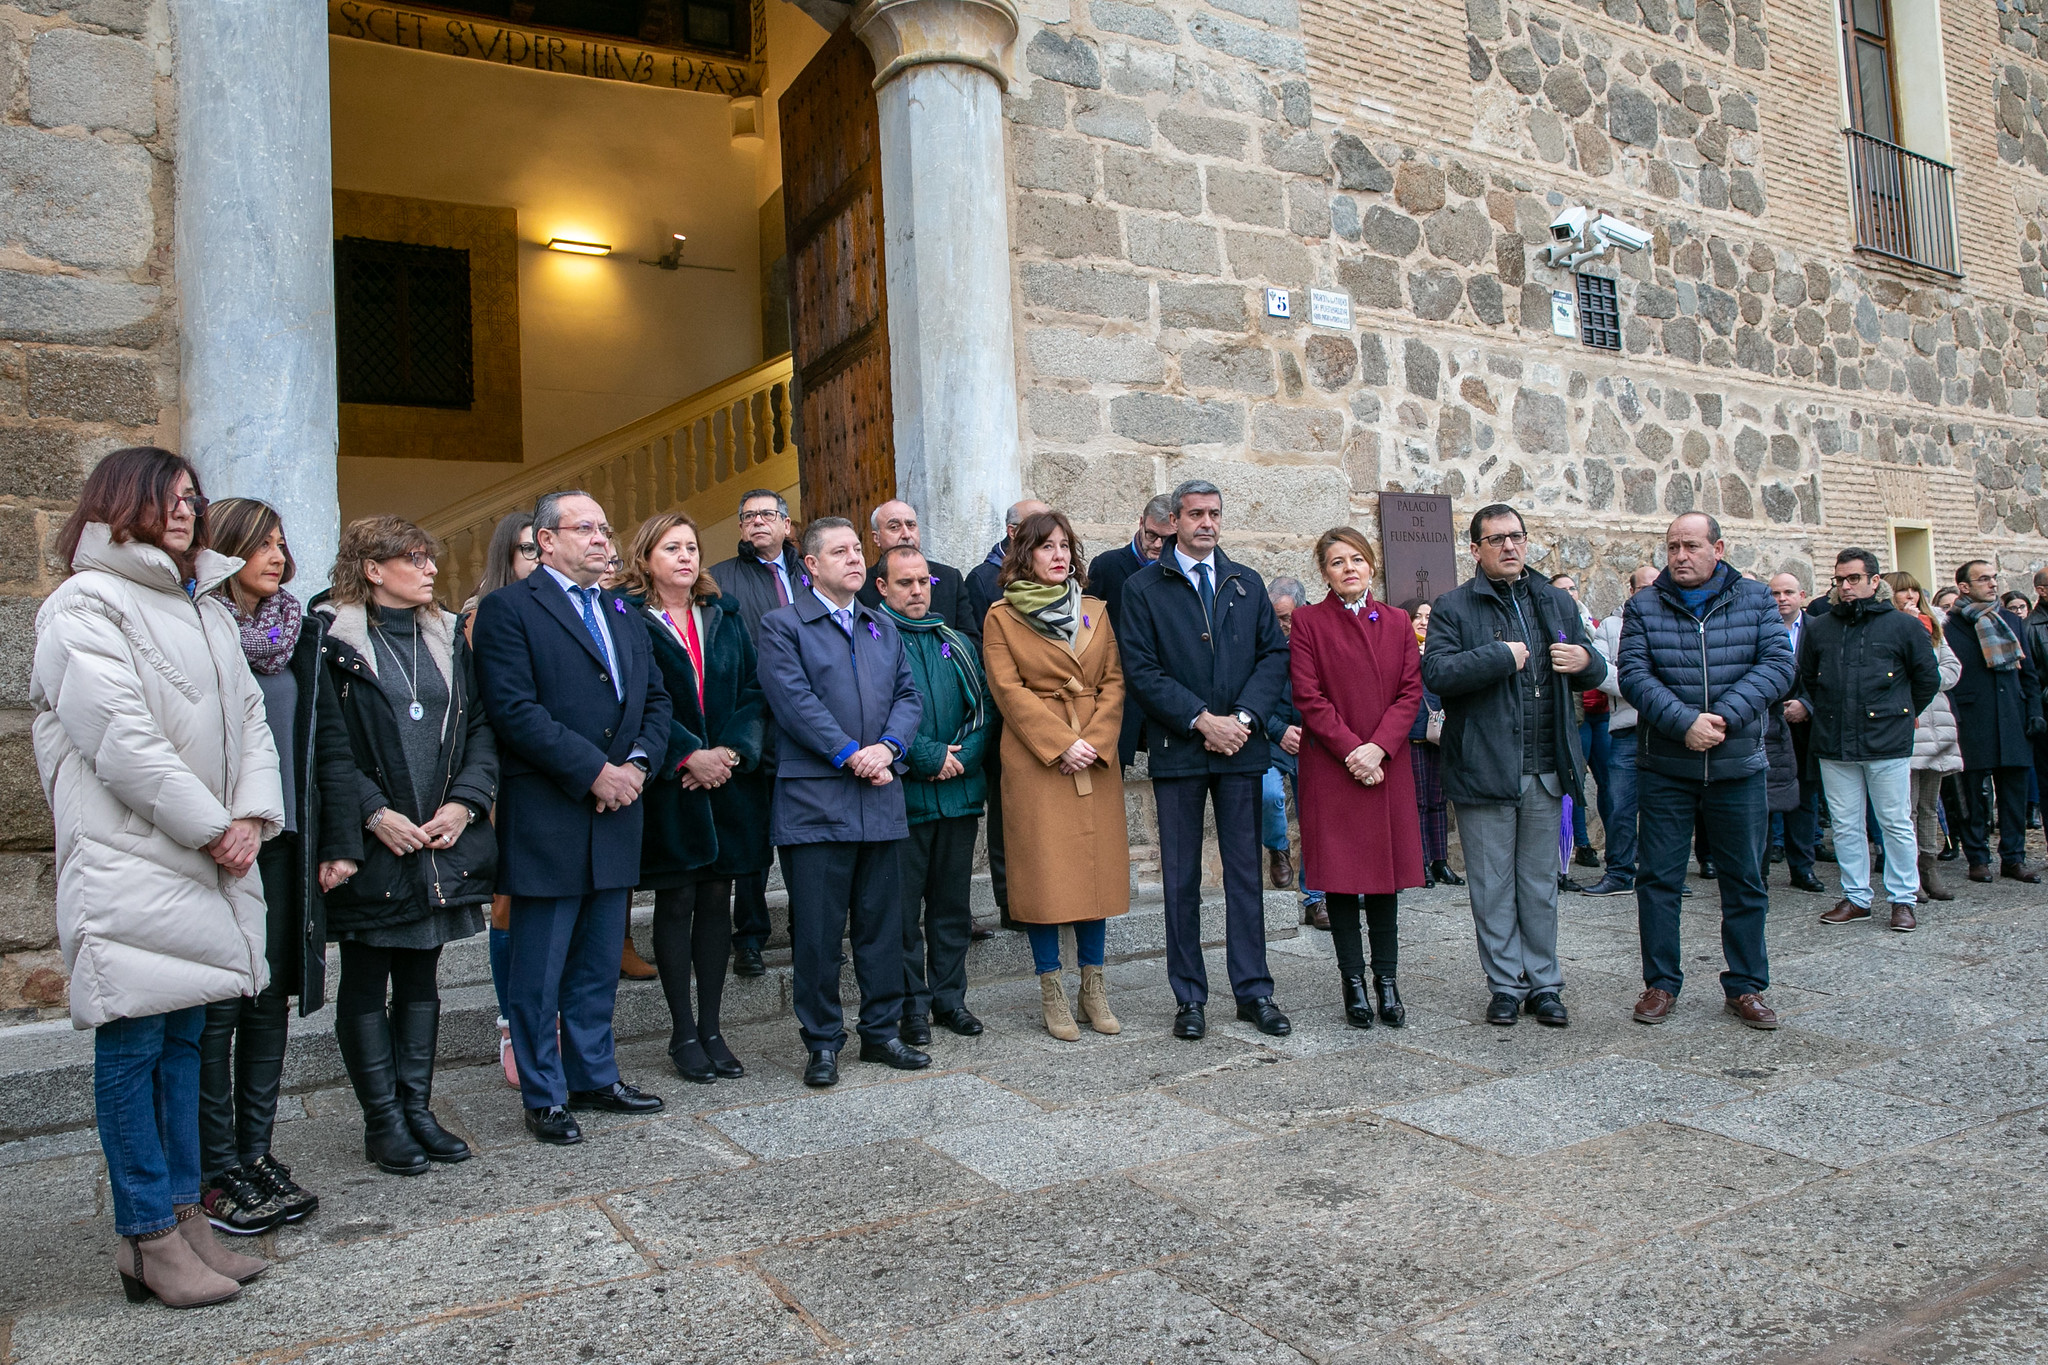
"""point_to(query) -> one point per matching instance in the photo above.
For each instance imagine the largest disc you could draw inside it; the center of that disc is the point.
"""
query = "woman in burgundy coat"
(1357, 683)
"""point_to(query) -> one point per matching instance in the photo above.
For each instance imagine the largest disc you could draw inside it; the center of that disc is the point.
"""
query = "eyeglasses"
(1507, 538)
(194, 501)
(589, 530)
(1984, 578)
(748, 518)
(419, 559)
(526, 549)
(1849, 580)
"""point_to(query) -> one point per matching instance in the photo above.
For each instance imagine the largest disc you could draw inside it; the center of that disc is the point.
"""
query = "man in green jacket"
(944, 791)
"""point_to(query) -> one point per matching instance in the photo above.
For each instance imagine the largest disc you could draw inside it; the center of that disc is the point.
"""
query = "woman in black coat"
(705, 825)
(247, 1190)
(406, 756)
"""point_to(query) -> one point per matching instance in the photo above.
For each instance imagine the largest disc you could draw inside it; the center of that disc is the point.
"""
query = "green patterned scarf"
(1053, 609)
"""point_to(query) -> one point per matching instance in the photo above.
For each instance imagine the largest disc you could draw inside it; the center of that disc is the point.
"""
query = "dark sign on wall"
(1419, 546)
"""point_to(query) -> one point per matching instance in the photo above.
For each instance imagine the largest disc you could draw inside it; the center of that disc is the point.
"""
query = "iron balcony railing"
(1904, 203)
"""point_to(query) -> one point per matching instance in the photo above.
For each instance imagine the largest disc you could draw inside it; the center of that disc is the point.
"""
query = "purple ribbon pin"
(1373, 616)
(874, 630)
(945, 651)
(1085, 621)
(618, 606)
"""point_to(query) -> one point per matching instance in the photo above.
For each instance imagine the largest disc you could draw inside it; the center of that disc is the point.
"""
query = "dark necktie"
(587, 599)
(1208, 591)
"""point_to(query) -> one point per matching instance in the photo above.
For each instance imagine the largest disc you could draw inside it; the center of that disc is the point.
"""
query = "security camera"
(1569, 225)
(1610, 229)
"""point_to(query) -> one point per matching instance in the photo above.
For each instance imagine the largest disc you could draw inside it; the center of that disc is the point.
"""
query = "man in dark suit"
(763, 574)
(846, 709)
(982, 590)
(1106, 575)
(1997, 703)
(569, 682)
(895, 523)
(1203, 654)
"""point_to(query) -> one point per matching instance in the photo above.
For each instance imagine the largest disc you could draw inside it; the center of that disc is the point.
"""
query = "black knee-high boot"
(366, 1050)
(415, 1028)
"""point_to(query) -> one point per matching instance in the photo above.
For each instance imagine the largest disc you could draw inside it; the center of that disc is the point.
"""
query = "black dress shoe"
(1708, 872)
(2019, 872)
(746, 961)
(823, 1069)
(914, 1029)
(722, 1060)
(977, 933)
(554, 1125)
(1949, 854)
(1392, 1012)
(1189, 1022)
(1265, 1015)
(1503, 1009)
(618, 1098)
(1428, 877)
(1807, 882)
(1357, 1004)
(894, 1052)
(1548, 1009)
(959, 1021)
(1441, 870)
(693, 1064)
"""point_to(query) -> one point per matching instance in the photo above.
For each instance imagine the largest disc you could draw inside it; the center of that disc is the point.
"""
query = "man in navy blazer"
(569, 682)
(845, 708)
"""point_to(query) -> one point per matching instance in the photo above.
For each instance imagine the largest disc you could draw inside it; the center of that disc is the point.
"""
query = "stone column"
(255, 263)
(945, 211)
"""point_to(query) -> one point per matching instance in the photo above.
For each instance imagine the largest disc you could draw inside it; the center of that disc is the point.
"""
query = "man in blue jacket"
(569, 682)
(1704, 657)
(1203, 654)
(846, 710)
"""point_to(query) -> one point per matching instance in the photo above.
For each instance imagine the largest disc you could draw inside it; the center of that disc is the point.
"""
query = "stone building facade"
(1166, 165)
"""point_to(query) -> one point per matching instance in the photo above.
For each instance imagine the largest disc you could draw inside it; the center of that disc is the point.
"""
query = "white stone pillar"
(255, 263)
(940, 68)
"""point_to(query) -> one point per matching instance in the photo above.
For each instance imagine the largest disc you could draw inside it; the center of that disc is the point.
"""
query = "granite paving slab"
(2001, 1072)
(1597, 1030)
(1117, 1066)
(1826, 1121)
(1087, 1140)
(1286, 1094)
(2016, 1148)
(837, 1119)
(1543, 1111)
(684, 1221)
(1677, 1303)
(1859, 968)
(1910, 1016)
(929, 1269)
(1762, 1059)
(2001, 1325)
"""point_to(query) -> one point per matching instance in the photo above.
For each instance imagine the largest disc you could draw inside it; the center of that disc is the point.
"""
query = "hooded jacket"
(151, 738)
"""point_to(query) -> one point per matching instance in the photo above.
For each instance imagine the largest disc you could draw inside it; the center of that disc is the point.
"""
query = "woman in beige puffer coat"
(159, 768)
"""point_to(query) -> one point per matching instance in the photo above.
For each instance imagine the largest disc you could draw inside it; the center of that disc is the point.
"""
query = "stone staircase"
(46, 1068)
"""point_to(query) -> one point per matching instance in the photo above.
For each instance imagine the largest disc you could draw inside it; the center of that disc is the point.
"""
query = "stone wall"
(1171, 161)
(88, 358)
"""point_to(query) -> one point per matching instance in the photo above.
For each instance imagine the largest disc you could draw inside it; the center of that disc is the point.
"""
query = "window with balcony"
(1902, 198)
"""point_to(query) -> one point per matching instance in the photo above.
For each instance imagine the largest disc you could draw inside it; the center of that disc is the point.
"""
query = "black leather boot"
(217, 1088)
(414, 1030)
(1357, 1008)
(1392, 1011)
(259, 1075)
(366, 1051)
(1441, 870)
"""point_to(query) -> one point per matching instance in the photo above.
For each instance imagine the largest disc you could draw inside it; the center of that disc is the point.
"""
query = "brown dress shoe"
(1902, 919)
(1752, 1010)
(1654, 1006)
(633, 967)
(1981, 872)
(1845, 912)
(2018, 872)
(1279, 868)
(1316, 914)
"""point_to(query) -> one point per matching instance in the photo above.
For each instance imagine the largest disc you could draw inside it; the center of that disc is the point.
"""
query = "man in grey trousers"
(1507, 653)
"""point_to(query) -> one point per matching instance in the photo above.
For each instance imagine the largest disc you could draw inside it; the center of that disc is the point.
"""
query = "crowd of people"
(240, 779)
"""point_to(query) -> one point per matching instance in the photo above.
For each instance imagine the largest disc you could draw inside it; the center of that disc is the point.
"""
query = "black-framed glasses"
(748, 518)
(419, 559)
(1850, 580)
(1505, 538)
(527, 549)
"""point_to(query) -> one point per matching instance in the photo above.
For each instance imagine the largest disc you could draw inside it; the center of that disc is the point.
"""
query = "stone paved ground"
(1866, 1185)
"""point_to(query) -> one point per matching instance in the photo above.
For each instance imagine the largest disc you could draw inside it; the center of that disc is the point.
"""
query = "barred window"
(1599, 313)
(402, 324)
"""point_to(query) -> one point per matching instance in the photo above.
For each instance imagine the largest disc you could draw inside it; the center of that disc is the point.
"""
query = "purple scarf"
(270, 636)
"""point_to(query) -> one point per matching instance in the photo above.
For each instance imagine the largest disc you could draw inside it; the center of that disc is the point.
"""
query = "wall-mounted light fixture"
(579, 248)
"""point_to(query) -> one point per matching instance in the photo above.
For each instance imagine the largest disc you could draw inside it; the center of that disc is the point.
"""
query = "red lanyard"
(694, 646)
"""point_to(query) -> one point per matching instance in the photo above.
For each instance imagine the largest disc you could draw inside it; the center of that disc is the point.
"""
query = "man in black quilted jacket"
(1704, 656)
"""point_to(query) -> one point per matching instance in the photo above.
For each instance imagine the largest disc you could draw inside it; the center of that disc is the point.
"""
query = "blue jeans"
(1888, 787)
(1089, 936)
(1618, 806)
(1598, 747)
(1273, 810)
(1734, 817)
(145, 1090)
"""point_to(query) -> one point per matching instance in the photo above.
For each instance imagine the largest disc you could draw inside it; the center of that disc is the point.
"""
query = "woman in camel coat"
(1053, 671)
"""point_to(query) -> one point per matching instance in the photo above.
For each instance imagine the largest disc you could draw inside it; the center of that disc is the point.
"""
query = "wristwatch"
(640, 761)
(1244, 718)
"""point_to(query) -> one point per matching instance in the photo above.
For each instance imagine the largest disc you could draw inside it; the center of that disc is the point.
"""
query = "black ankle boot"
(693, 1064)
(1357, 1008)
(366, 1051)
(414, 1031)
(1441, 870)
(1392, 1011)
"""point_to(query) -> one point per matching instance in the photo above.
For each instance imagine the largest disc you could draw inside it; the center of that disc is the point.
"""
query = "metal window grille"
(402, 324)
(1599, 313)
(1903, 202)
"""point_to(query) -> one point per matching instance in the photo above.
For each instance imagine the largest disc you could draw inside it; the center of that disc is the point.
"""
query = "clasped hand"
(1080, 754)
(1365, 764)
(708, 768)
(1222, 734)
(617, 786)
(234, 848)
(1706, 732)
(875, 764)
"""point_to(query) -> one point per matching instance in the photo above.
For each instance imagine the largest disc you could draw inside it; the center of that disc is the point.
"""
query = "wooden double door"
(839, 305)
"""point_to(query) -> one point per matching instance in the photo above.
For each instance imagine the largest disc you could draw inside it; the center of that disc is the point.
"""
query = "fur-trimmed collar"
(350, 624)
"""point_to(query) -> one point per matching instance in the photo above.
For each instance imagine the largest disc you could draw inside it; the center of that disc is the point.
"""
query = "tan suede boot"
(1059, 1020)
(1094, 1002)
(194, 1228)
(1930, 884)
(164, 1266)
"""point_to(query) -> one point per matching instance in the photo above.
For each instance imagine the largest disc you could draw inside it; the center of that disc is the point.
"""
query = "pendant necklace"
(416, 711)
